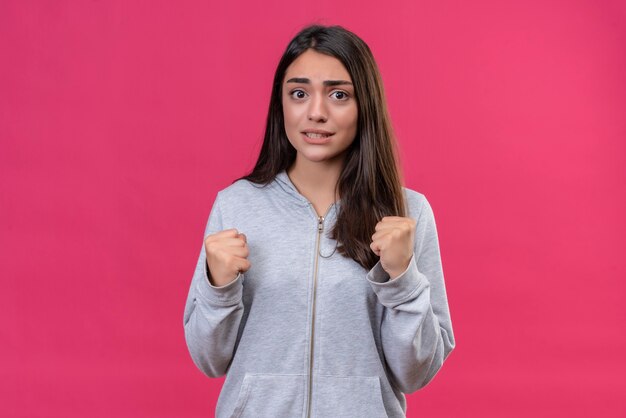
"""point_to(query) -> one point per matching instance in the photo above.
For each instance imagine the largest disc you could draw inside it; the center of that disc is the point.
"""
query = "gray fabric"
(374, 339)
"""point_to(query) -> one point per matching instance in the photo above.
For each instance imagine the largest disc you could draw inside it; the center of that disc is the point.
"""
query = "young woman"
(319, 290)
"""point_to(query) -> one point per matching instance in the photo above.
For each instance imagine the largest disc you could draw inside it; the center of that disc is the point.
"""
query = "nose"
(317, 110)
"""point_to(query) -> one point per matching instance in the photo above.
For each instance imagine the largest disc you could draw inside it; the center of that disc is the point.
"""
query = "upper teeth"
(313, 135)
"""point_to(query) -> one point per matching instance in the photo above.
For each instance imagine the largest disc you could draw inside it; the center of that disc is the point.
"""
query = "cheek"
(349, 119)
(290, 116)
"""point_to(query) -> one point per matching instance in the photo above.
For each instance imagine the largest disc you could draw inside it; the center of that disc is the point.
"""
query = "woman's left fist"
(393, 242)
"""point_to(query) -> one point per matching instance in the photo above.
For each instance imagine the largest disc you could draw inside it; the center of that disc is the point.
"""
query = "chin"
(317, 158)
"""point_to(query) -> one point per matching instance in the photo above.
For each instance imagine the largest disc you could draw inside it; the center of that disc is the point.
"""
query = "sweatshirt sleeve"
(212, 313)
(416, 329)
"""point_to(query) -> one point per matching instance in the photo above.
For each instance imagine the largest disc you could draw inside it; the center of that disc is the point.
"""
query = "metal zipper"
(320, 229)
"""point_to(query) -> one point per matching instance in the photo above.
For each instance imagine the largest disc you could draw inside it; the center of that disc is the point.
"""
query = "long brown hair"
(370, 184)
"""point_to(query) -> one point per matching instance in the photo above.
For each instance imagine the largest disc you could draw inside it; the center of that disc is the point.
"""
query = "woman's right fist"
(226, 256)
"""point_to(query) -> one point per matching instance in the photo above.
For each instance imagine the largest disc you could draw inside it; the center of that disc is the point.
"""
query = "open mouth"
(316, 136)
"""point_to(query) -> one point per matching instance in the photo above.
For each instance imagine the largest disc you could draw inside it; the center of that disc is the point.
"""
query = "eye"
(299, 96)
(342, 95)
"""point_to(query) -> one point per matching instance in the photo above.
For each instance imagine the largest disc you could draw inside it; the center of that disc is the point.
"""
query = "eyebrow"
(326, 82)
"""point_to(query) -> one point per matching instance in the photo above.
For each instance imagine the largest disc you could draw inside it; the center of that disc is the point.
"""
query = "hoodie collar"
(286, 184)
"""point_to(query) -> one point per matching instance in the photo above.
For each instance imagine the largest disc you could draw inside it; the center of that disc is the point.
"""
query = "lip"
(317, 131)
(317, 141)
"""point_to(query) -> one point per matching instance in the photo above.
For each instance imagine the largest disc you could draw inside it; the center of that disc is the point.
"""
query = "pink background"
(120, 120)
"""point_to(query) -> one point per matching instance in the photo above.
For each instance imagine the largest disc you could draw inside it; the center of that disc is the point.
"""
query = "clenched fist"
(226, 256)
(393, 242)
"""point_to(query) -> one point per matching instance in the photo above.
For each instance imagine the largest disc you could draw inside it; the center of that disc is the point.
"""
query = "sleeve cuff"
(229, 294)
(398, 290)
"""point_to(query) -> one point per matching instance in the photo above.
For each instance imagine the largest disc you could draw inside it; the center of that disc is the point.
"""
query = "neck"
(315, 180)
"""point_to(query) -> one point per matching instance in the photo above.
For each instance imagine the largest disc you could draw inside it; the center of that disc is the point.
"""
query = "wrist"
(394, 274)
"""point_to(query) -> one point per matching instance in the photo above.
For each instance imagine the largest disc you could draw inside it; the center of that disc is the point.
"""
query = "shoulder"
(416, 202)
(420, 210)
(241, 191)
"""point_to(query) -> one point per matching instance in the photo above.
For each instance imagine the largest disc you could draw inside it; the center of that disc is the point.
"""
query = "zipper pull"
(320, 224)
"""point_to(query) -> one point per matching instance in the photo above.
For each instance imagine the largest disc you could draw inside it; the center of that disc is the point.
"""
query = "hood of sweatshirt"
(284, 185)
(284, 182)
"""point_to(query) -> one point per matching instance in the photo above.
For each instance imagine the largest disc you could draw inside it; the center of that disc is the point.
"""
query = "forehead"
(317, 66)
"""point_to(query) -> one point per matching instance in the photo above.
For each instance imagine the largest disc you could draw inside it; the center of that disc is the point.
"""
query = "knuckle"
(210, 246)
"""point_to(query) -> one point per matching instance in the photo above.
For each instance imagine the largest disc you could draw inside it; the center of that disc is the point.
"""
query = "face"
(319, 107)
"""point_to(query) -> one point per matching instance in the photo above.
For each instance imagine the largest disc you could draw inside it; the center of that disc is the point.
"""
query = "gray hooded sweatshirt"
(307, 332)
